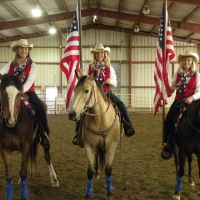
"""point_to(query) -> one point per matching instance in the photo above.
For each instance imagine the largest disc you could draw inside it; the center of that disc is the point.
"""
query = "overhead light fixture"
(52, 30)
(146, 10)
(94, 19)
(136, 29)
(36, 12)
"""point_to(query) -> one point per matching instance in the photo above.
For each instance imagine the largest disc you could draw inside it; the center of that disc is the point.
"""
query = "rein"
(191, 123)
(102, 133)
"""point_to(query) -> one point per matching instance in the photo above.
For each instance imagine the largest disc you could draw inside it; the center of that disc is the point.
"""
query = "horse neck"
(101, 106)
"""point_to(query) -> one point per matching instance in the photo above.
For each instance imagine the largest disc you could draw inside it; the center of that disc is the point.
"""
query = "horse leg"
(7, 159)
(108, 170)
(53, 177)
(179, 179)
(176, 157)
(90, 172)
(23, 172)
(47, 156)
(190, 179)
(96, 166)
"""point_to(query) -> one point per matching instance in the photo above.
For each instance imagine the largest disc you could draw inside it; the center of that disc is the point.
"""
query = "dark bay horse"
(187, 138)
(101, 129)
(175, 151)
(19, 131)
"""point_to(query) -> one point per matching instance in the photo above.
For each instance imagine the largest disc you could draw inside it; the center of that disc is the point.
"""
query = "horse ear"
(78, 75)
(20, 77)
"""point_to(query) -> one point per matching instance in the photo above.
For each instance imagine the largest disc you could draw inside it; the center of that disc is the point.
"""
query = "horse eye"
(86, 91)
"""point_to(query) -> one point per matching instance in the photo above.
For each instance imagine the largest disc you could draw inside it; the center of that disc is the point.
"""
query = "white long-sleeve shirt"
(30, 79)
(196, 94)
(113, 77)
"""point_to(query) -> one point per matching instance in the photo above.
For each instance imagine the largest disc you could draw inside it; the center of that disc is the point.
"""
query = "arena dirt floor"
(139, 173)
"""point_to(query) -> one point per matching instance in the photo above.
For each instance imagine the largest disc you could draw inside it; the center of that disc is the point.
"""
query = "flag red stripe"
(162, 64)
(71, 59)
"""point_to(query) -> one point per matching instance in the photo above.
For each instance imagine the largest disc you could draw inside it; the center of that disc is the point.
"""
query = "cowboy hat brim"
(15, 45)
(194, 56)
(107, 49)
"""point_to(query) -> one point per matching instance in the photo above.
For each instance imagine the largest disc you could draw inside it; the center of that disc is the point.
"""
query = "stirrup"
(75, 139)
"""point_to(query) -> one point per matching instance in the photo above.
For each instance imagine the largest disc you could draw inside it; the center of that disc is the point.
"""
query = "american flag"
(162, 63)
(71, 59)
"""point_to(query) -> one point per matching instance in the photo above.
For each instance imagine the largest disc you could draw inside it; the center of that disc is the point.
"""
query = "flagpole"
(80, 32)
(164, 61)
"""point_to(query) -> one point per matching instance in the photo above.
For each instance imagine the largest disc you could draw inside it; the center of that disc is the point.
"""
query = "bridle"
(102, 133)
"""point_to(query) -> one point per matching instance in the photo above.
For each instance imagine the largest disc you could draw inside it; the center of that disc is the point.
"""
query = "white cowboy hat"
(188, 53)
(21, 43)
(99, 48)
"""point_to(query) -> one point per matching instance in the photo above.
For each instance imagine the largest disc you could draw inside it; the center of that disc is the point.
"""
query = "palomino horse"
(19, 131)
(187, 138)
(101, 128)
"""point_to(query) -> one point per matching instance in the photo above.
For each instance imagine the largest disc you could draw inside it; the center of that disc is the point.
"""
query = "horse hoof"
(177, 197)
(87, 197)
(55, 184)
(191, 182)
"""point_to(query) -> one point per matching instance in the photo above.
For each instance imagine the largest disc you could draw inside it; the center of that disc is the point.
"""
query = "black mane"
(13, 80)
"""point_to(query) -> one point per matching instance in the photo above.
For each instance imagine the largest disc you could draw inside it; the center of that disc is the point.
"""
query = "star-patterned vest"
(189, 89)
(26, 71)
(106, 87)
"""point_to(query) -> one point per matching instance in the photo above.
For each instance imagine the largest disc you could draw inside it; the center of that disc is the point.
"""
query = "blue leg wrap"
(89, 190)
(24, 188)
(9, 191)
(178, 185)
(109, 186)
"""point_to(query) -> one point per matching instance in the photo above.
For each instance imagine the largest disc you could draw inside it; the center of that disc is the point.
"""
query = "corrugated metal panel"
(46, 53)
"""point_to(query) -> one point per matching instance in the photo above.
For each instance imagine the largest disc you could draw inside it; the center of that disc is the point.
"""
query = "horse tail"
(102, 159)
(34, 152)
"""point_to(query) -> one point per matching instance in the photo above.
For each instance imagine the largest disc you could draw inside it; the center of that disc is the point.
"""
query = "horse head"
(11, 89)
(84, 96)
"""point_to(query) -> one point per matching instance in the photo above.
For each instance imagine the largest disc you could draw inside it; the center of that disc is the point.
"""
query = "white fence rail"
(133, 103)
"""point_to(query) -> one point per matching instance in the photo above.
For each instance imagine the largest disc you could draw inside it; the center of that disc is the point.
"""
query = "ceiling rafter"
(119, 10)
(65, 5)
(21, 15)
(101, 13)
(197, 2)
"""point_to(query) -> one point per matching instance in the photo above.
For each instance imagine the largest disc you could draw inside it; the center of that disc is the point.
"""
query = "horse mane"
(99, 86)
(7, 79)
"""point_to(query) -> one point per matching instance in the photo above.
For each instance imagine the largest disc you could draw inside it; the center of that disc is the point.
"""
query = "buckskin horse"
(101, 129)
(19, 131)
(187, 138)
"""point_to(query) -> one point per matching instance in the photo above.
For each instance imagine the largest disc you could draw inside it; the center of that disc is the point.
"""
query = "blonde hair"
(193, 68)
(15, 61)
(106, 60)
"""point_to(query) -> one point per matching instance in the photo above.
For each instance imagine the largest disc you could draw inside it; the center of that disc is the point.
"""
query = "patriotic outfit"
(30, 71)
(186, 82)
(102, 73)
(185, 85)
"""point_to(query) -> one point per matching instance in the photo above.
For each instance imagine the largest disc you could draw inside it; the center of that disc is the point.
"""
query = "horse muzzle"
(72, 116)
(10, 123)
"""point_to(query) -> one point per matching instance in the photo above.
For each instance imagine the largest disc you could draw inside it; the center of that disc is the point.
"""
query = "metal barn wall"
(127, 50)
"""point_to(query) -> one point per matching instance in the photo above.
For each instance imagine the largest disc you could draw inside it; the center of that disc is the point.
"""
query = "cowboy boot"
(128, 128)
(166, 152)
(45, 141)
